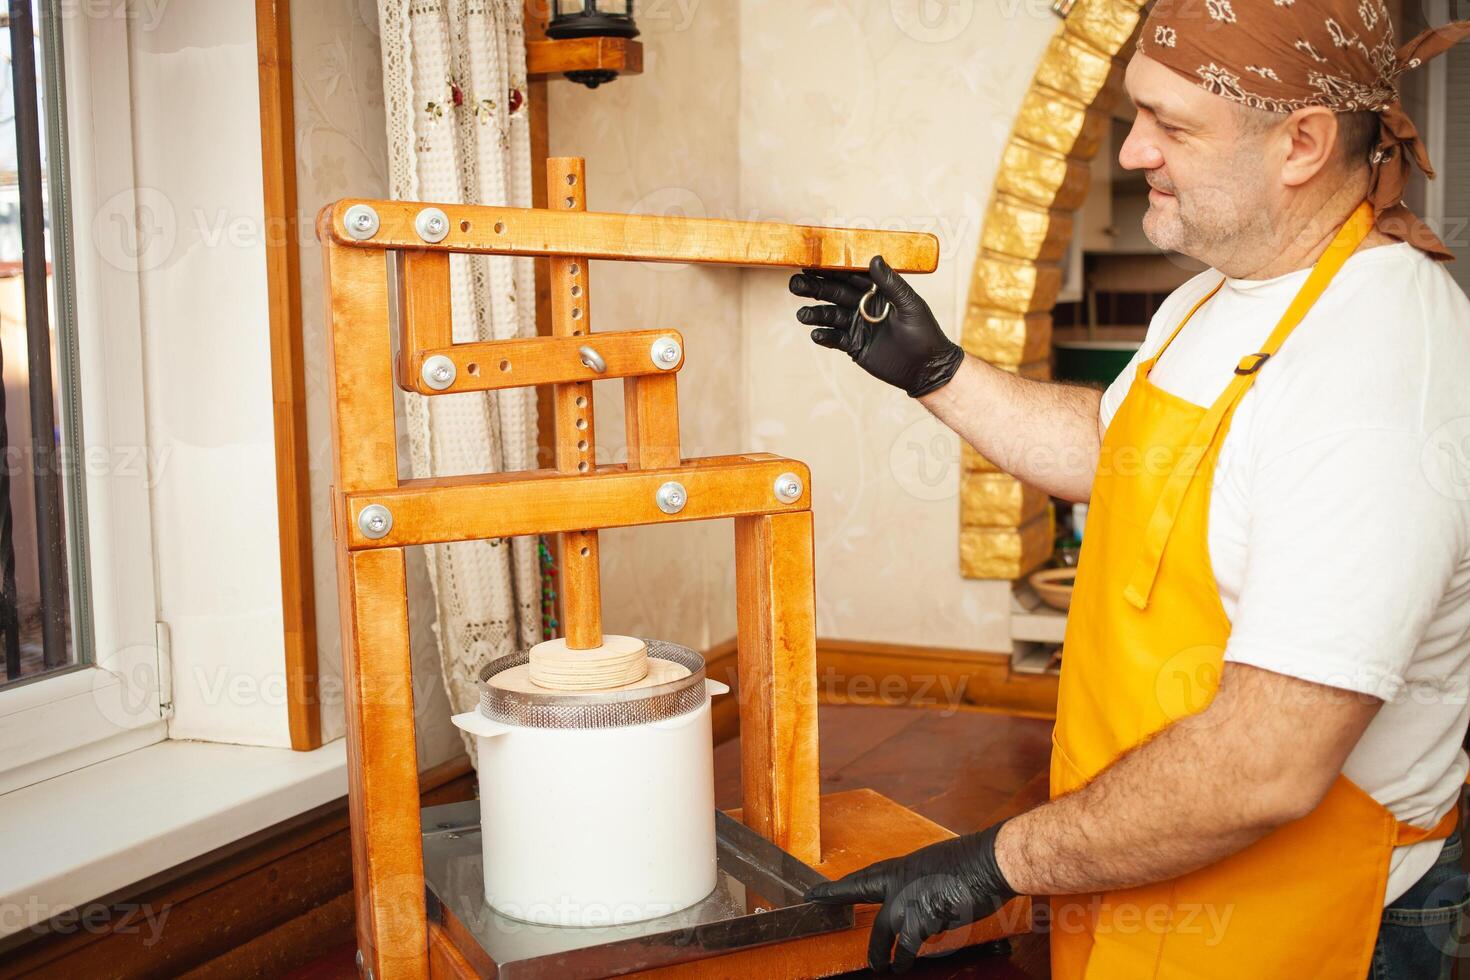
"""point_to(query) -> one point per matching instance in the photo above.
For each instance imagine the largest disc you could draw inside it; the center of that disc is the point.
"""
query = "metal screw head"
(359, 960)
(432, 224)
(666, 353)
(438, 372)
(361, 222)
(375, 521)
(788, 488)
(671, 497)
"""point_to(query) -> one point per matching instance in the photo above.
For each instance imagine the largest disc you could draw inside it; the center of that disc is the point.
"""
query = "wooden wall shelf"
(548, 59)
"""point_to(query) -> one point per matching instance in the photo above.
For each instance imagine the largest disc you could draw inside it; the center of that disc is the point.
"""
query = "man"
(1257, 755)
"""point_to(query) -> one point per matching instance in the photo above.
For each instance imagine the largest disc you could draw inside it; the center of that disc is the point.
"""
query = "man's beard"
(1215, 222)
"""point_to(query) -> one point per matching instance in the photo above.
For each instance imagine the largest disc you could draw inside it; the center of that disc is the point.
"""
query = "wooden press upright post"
(571, 316)
(377, 675)
(775, 595)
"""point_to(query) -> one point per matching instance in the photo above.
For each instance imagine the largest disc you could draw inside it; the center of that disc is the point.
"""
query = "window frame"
(115, 699)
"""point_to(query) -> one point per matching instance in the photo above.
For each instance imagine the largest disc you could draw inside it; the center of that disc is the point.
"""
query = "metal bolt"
(592, 359)
(666, 353)
(375, 521)
(788, 488)
(361, 222)
(671, 497)
(438, 372)
(360, 959)
(432, 224)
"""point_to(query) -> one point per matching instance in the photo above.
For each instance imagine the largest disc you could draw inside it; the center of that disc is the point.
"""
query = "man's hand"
(935, 888)
(1044, 433)
(906, 348)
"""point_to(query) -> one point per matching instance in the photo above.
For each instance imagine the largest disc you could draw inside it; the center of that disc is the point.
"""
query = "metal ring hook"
(863, 307)
(592, 359)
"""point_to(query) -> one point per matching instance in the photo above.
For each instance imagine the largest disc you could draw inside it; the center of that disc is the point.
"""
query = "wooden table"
(963, 769)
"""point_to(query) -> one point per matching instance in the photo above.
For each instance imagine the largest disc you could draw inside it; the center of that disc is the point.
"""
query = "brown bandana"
(1283, 55)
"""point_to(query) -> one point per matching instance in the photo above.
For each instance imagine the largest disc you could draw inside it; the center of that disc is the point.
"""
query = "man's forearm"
(1039, 431)
(1204, 788)
(1146, 818)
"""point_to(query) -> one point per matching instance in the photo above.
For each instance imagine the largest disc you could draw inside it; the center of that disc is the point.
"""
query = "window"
(41, 504)
(83, 676)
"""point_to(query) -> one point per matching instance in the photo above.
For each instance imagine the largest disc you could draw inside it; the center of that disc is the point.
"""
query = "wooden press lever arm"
(564, 231)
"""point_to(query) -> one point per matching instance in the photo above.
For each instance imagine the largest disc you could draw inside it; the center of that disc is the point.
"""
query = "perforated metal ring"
(603, 709)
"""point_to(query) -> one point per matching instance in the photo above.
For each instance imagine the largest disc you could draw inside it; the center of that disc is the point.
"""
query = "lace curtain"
(454, 84)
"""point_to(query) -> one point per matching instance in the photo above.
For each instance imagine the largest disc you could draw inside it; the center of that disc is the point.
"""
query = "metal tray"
(757, 900)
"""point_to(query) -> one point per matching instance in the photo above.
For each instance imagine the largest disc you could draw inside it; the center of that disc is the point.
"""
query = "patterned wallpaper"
(893, 115)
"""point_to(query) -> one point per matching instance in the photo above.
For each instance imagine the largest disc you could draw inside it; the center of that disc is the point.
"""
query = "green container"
(1092, 361)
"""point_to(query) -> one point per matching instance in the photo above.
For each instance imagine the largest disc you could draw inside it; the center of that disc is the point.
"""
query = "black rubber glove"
(906, 348)
(948, 884)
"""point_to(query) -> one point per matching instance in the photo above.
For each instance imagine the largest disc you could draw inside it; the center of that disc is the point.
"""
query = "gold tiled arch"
(1006, 527)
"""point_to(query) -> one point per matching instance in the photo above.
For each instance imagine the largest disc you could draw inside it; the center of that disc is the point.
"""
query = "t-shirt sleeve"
(1113, 395)
(1350, 548)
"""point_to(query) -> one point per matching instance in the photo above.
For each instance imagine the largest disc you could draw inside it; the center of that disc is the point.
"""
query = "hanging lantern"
(591, 18)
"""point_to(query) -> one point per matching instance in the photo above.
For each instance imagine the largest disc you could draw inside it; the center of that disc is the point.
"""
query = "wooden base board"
(858, 827)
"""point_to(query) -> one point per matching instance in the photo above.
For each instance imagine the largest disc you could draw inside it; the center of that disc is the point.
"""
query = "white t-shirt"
(1339, 525)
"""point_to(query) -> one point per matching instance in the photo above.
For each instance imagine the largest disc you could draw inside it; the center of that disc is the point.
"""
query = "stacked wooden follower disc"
(620, 661)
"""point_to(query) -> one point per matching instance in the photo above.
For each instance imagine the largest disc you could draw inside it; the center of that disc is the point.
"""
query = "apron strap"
(1407, 833)
(1148, 365)
(1161, 523)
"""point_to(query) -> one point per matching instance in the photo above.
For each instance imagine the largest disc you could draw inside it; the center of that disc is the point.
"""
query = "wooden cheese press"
(377, 515)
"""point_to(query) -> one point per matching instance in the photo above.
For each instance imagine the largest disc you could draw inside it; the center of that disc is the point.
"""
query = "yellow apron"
(1144, 647)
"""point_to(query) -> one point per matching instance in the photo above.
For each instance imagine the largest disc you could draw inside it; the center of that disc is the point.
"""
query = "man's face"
(1209, 195)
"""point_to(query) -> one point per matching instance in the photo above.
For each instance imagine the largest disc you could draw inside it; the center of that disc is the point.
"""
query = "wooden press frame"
(576, 498)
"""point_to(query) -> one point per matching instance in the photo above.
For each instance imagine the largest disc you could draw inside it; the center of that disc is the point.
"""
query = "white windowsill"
(91, 832)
